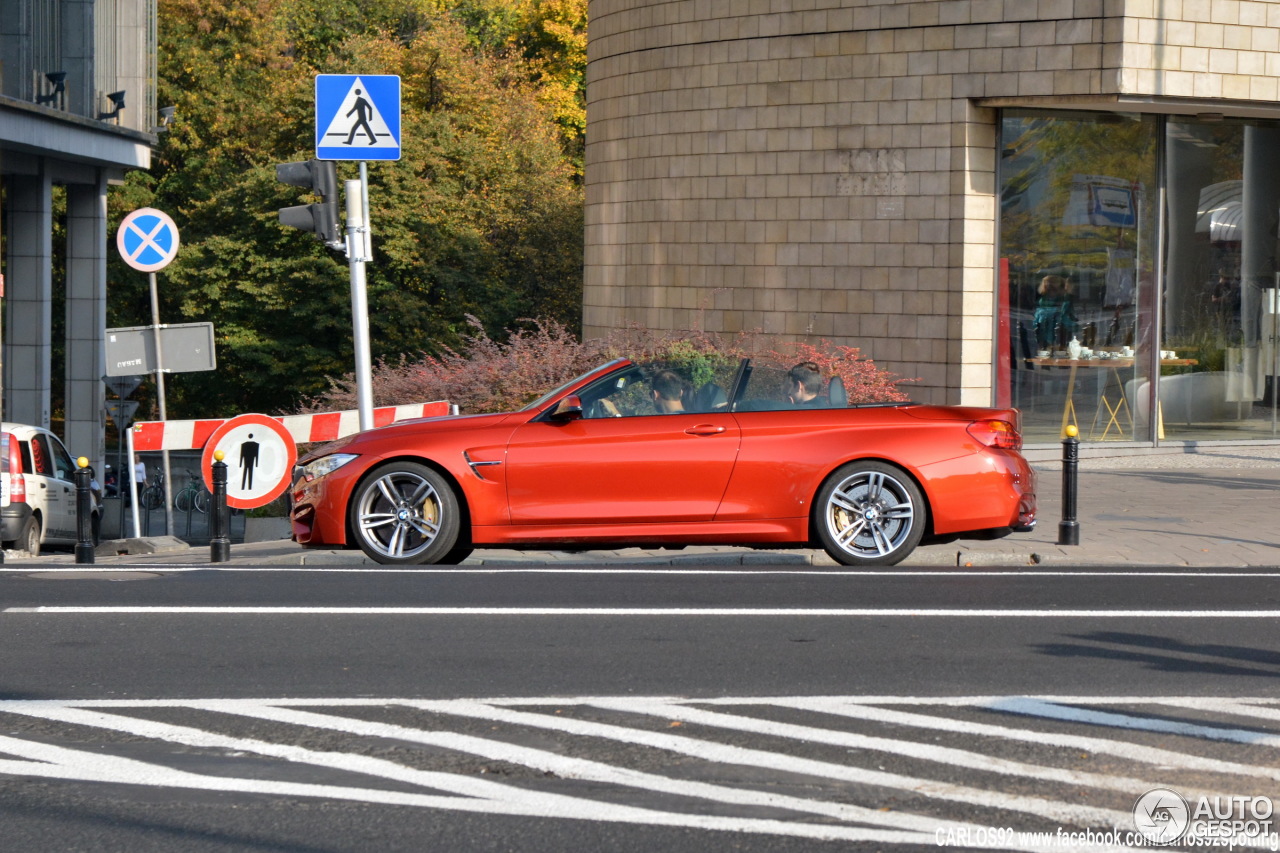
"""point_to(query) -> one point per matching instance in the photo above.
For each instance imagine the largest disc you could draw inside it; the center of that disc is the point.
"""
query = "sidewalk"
(1213, 508)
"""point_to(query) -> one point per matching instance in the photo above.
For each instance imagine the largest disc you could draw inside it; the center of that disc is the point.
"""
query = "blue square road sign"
(357, 117)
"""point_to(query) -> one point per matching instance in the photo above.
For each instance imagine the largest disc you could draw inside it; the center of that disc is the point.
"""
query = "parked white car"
(37, 490)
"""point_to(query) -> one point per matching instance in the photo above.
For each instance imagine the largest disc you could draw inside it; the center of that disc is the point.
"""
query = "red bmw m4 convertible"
(647, 455)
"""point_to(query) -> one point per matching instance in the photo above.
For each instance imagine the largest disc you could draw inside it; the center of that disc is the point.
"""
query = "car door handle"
(705, 429)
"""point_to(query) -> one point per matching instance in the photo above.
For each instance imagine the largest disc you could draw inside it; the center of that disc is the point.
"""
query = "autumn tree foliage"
(482, 215)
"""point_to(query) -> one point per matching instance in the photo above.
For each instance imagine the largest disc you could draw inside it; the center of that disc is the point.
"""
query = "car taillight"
(17, 483)
(1000, 434)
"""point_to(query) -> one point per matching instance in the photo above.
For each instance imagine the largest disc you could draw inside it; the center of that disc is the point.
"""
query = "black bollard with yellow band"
(84, 512)
(1069, 528)
(219, 534)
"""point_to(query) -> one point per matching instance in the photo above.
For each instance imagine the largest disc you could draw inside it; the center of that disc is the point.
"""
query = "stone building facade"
(77, 111)
(833, 168)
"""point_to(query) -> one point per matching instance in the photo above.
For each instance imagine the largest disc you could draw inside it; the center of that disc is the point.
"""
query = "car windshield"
(699, 383)
(550, 395)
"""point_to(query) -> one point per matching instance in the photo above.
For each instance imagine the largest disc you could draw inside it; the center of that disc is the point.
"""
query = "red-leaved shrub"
(863, 381)
(484, 375)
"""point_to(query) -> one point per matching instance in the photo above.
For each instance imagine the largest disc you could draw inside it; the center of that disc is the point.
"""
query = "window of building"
(1138, 276)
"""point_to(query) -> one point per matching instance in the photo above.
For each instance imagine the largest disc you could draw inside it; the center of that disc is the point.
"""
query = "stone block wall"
(826, 169)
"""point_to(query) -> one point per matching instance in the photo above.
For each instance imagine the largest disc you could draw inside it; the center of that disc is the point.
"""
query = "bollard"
(84, 513)
(1069, 528)
(220, 516)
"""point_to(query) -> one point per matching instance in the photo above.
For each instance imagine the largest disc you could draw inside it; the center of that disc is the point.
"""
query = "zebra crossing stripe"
(471, 794)
(1039, 708)
(383, 781)
(728, 754)
(1121, 749)
(1235, 707)
(911, 749)
(578, 768)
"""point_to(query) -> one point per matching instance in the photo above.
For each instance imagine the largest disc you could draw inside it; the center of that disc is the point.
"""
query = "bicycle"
(153, 494)
(194, 495)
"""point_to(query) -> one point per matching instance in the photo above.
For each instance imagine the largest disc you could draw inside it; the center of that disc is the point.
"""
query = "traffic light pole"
(359, 252)
(321, 219)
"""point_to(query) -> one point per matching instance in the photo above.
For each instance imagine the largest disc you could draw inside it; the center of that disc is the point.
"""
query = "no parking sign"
(259, 453)
(147, 239)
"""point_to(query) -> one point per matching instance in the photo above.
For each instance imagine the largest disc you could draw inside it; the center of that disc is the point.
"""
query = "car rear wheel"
(869, 514)
(404, 513)
(29, 539)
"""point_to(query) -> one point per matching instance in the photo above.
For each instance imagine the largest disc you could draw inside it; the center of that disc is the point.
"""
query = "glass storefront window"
(1097, 327)
(1077, 247)
(1219, 307)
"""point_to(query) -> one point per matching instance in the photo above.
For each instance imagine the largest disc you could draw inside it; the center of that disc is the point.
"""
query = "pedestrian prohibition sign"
(147, 239)
(357, 117)
(259, 454)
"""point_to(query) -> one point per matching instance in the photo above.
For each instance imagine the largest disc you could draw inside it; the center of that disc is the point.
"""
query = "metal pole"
(364, 204)
(155, 329)
(357, 236)
(84, 513)
(1069, 528)
(4, 445)
(133, 487)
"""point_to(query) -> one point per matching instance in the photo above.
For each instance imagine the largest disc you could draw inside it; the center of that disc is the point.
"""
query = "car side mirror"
(568, 409)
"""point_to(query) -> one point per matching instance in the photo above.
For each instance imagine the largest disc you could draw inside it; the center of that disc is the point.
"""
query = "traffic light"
(321, 218)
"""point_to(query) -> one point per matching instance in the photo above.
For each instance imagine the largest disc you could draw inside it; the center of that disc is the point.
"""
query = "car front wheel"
(869, 514)
(405, 513)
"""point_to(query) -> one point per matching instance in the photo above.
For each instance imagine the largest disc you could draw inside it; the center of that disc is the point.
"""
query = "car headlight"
(325, 465)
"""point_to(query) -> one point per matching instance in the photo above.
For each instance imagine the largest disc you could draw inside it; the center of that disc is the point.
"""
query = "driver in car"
(669, 391)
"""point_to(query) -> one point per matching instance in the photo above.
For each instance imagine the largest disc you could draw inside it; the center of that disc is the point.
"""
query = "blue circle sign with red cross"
(147, 239)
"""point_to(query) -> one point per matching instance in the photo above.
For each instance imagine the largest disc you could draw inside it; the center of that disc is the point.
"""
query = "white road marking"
(1122, 749)
(815, 818)
(664, 570)
(787, 612)
(577, 768)
(1039, 708)
(728, 754)
(492, 797)
(1235, 707)
(921, 751)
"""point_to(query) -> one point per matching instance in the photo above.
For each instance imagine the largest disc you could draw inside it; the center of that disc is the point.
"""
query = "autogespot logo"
(1161, 815)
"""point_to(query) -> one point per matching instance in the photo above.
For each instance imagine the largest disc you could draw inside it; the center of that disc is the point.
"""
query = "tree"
(482, 215)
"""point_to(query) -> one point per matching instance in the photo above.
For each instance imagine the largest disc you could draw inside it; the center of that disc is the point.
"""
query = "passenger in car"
(803, 386)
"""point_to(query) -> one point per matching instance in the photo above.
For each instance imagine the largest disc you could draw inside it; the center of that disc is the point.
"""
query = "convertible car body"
(595, 463)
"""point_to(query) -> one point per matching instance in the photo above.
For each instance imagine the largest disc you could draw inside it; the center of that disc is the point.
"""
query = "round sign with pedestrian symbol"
(259, 454)
(147, 239)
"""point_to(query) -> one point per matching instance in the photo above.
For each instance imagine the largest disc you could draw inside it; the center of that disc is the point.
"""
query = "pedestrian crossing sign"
(357, 117)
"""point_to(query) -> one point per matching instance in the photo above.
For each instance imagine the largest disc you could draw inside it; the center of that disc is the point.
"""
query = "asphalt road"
(540, 709)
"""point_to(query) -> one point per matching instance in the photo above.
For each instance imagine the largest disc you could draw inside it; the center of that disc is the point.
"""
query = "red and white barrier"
(305, 429)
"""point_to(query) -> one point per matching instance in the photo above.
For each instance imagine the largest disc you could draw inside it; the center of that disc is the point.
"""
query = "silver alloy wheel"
(399, 515)
(871, 514)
